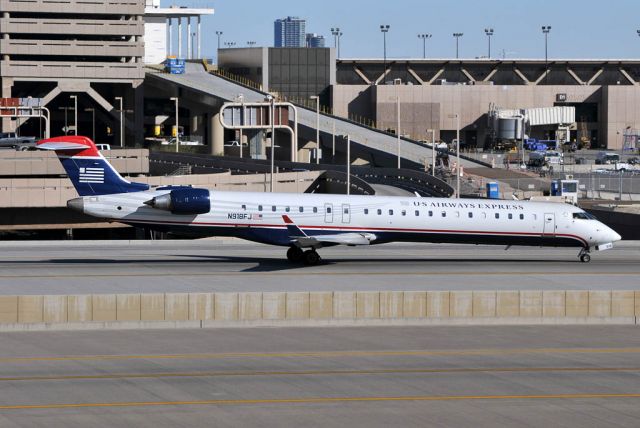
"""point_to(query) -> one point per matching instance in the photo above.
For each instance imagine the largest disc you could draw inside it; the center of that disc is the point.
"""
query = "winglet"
(292, 228)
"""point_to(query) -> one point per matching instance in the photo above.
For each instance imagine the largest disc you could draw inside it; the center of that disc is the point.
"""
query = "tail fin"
(90, 173)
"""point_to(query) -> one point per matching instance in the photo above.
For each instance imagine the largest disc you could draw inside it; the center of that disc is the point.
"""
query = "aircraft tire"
(585, 258)
(295, 254)
(311, 258)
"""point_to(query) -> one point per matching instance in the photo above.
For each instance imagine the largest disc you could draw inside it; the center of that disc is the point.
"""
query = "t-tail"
(90, 173)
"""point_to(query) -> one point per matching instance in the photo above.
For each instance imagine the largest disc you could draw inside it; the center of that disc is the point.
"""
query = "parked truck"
(9, 140)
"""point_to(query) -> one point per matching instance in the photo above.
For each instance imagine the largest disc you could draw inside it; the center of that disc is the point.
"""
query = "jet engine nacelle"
(183, 201)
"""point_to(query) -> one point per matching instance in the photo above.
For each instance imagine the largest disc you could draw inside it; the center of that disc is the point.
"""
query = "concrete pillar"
(179, 37)
(198, 32)
(189, 37)
(7, 84)
(197, 126)
(170, 50)
(138, 118)
(216, 140)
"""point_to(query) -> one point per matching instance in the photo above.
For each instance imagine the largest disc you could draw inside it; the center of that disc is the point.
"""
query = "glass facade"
(290, 32)
(315, 40)
(300, 72)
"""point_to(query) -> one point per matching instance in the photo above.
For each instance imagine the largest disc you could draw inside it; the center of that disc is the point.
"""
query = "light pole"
(424, 38)
(241, 100)
(546, 29)
(457, 36)
(398, 123)
(121, 122)
(489, 33)
(273, 137)
(175, 99)
(93, 122)
(230, 44)
(433, 151)
(317, 99)
(219, 34)
(75, 113)
(457, 117)
(251, 43)
(336, 39)
(385, 30)
(348, 164)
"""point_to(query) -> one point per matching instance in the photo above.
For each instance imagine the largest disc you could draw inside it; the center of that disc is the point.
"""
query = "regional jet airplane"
(308, 222)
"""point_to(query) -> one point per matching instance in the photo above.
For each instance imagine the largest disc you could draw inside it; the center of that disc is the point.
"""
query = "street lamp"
(424, 38)
(175, 99)
(336, 39)
(489, 33)
(272, 102)
(240, 99)
(93, 122)
(348, 164)
(121, 122)
(546, 29)
(398, 122)
(219, 34)
(385, 30)
(457, 36)
(457, 117)
(75, 113)
(317, 98)
(433, 151)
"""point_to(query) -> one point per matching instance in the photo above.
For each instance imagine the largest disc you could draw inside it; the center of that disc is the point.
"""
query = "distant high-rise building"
(315, 40)
(290, 32)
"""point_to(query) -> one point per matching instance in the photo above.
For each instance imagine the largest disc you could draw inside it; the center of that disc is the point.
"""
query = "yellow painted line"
(320, 273)
(117, 376)
(318, 400)
(329, 354)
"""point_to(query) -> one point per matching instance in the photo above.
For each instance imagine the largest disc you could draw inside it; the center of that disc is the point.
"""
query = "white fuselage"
(259, 217)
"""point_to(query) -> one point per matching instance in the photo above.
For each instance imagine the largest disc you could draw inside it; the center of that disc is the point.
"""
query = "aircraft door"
(346, 213)
(328, 213)
(549, 225)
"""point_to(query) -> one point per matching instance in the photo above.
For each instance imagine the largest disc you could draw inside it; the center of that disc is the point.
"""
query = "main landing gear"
(584, 255)
(309, 257)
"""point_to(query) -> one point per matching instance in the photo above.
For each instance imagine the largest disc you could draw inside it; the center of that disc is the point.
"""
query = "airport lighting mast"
(546, 29)
(385, 30)
(424, 38)
(457, 36)
(489, 33)
(219, 34)
(336, 39)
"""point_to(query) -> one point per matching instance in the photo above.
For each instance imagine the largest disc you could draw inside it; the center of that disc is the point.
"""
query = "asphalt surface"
(226, 265)
(323, 377)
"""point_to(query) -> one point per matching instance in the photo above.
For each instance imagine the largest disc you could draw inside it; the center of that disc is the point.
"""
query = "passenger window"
(366, 211)
(470, 214)
(244, 207)
(430, 213)
(315, 209)
(497, 215)
(444, 213)
(521, 216)
(328, 210)
(273, 208)
(345, 210)
(404, 213)
(301, 209)
(510, 216)
(417, 213)
(259, 207)
(379, 212)
(287, 209)
(390, 212)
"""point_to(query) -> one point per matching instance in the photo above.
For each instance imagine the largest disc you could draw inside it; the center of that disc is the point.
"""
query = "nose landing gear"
(584, 255)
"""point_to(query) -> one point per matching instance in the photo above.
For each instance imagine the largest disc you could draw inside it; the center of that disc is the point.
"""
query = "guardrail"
(202, 310)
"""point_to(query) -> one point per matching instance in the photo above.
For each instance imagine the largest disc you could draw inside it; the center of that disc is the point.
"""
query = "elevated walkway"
(369, 143)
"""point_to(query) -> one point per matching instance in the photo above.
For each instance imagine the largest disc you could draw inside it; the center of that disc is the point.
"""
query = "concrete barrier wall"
(318, 308)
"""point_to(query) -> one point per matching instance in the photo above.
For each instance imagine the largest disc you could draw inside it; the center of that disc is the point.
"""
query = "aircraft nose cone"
(76, 204)
(616, 236)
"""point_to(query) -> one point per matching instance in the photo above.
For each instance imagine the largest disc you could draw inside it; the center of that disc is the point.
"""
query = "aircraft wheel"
(294, 254)
(585, 258)
(311, 258)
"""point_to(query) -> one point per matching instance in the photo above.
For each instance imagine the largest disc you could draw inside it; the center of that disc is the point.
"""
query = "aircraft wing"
(303, 240)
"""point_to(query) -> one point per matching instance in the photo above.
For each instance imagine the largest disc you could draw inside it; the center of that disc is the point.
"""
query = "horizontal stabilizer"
(61, 146)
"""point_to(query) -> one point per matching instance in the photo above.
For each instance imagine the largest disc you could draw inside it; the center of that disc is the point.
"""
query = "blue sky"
(580, 28)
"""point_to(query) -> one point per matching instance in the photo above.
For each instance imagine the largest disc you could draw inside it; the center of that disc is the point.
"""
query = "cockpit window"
(583, 216)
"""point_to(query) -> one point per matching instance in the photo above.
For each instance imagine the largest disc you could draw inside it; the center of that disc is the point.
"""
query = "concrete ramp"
(375, 145)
